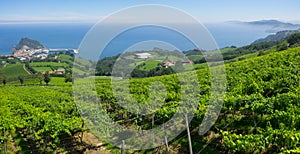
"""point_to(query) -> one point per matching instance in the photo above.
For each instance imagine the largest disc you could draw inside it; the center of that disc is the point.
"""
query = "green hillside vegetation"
(148, 65)
(33, 81)
(83, 66)
(261, 106)
(63, 58)
(42, 69)
(78, 71)
(48, 112)
(260, 114)
(63, 61)
(47, 64)
(105, 65)
(230, 54)
(279, 36)
(265, 89)
(294, 39)
(13, 70)
(197, 57)
(264, 47)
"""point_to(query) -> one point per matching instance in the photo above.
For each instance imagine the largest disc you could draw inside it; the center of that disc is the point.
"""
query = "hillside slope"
(29, 43)
(261, 106)
(277, 37)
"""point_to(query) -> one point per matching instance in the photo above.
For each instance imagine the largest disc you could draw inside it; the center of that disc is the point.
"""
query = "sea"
(70, 35)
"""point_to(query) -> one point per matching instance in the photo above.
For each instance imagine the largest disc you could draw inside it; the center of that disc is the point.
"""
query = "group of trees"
(30, 69)
(104, 66)
(41, 77)
(294, 39)
(290, 41)
(3, 77)
(248, 49)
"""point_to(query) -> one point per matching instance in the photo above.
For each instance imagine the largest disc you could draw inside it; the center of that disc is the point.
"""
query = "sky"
(94, 10)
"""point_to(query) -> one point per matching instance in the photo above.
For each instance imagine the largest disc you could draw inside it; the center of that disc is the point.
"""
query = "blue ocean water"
(70, 35)
(50, 35)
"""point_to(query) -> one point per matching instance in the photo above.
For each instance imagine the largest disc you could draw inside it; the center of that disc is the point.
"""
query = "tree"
(294, 39)
(40, 78)
(21, 79)
(68, 78)
(139, 73)
(282, 46)
(4, 80)
(3, 77)
(47, 78)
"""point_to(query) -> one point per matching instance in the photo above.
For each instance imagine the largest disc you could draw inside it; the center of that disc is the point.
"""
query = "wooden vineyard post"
(166, 139)
(5, 146)
(153, 137)
(153, 120)
(81, 136)
(123, 147)
(188, 132)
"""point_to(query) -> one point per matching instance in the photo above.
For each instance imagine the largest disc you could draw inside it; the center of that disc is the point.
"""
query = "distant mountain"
(29, 44)
(277, 37)
(272, 26)
(270, 23)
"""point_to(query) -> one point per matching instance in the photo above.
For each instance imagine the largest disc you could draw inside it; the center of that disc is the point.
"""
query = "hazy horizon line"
(95, 21)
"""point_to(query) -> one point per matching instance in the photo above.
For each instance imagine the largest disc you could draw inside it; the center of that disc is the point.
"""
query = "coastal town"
(28, 49)
(31, 57)
(29, 53)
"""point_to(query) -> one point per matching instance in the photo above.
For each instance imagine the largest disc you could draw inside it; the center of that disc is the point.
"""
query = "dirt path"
(90, 139)
(26, 69)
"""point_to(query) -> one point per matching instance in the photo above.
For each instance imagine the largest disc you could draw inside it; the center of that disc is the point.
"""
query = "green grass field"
(14, 70)
(150, 64)
(78, 71)
(200, 66)
(83, 62)
(42, 69)
(55, 81)
(188, 67)
(228, 49)
(47, 64)
(195, 57)
(58, 81)
(66, 58)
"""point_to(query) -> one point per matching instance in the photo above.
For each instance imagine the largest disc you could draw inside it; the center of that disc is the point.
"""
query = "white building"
(143, 55)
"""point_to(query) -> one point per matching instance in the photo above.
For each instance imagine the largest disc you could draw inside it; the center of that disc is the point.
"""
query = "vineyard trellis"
(262, 106)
